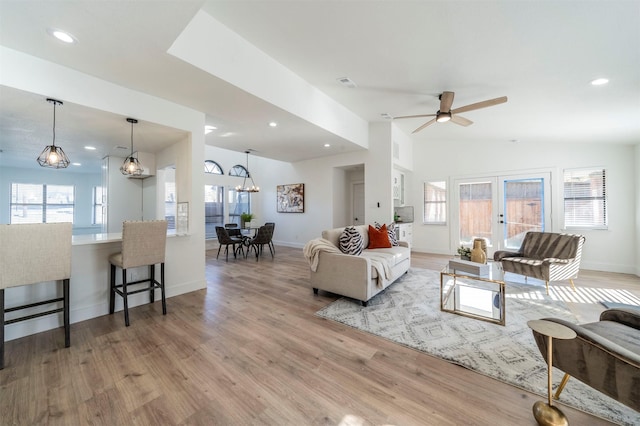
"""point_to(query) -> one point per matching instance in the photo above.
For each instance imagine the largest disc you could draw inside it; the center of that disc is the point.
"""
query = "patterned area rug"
(409, 313)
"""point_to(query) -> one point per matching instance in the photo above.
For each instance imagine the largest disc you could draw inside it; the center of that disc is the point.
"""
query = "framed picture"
(290, 198)
(182, 222)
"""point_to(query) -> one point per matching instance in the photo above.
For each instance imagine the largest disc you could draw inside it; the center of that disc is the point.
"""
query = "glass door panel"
(476, 201)
(523, 207)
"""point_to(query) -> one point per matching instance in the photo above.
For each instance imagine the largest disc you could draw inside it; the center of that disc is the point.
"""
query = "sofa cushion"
(378, 238)
(391, 230)
(399, 253)
(540, 245)
(351, 241)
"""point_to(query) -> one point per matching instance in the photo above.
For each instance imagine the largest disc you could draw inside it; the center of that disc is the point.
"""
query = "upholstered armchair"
(605, 354)
(546, 256)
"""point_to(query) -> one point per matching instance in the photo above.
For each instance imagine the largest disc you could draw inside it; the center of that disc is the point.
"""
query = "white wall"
(637, 193)
(607, 250)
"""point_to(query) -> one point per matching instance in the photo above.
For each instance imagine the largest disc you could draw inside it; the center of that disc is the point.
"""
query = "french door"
(501, 209)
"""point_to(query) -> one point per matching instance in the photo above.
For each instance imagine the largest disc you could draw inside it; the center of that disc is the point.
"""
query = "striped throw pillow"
(351, 241)
(391, 229)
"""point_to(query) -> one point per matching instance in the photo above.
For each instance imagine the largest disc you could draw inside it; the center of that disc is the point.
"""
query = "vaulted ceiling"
(401, 55)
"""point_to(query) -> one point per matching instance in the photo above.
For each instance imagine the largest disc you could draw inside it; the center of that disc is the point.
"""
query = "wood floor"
(248, 350)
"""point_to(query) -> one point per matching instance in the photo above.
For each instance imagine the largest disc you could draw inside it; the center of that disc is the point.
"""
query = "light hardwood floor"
(248, 350)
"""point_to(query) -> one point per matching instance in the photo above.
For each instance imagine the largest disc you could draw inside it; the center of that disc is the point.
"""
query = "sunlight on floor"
(588, 295)
(353, 420)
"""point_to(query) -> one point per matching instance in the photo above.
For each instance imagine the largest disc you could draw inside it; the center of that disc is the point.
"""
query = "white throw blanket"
(313, 248)
(380, 261)
(382, 264)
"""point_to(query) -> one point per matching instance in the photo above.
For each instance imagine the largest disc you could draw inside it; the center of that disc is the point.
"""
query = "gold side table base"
(544, 412)
(549, 415)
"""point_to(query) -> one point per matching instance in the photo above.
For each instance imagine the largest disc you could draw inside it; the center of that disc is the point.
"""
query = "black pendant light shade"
(53, 156)
(131, 166)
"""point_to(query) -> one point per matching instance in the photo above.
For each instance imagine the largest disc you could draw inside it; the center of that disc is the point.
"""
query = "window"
(238, 170)
(239, 202)
(585, 198)
(435, 203)
(98, 192)
(213, 209)
(212, 167)
(40, 203)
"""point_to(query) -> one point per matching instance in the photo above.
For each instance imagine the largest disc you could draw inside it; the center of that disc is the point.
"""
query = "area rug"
(408, 313)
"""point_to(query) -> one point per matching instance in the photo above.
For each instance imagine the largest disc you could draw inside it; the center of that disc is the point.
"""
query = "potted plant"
(245, 218)
(464, 252)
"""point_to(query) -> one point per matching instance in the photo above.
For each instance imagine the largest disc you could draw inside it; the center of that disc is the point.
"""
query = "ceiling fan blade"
(461, 121)
(446, 99)
(483, 104)
(414, 116)
(428, 123)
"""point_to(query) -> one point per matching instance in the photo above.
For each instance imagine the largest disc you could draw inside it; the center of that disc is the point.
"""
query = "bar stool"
(143, 244)
(31, 254)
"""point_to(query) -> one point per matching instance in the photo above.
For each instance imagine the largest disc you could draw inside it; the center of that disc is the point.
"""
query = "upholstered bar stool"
(32, 254)
(143, 244)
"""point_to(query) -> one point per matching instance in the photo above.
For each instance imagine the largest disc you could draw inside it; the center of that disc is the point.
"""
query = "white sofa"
(356, 276)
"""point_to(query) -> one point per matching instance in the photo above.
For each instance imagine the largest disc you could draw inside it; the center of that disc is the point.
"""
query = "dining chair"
(262, 238)
(31, 254)
(273, 228)
(233, 229)
(143, 244)
(224, 239)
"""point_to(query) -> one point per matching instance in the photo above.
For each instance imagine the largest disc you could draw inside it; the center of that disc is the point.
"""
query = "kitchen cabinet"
(404, 232)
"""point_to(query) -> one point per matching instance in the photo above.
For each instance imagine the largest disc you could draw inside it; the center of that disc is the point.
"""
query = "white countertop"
(112, 237)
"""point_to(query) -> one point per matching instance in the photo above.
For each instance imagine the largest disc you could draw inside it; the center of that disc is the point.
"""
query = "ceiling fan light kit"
(443, 117)
(445, 113)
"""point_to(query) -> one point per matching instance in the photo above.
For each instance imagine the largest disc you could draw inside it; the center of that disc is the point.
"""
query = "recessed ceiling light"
(208, 129)
(327, 145)
(347, 82)
(273, 124)
(76, 164)
(61, 35)
(599, 81)
(90, 148)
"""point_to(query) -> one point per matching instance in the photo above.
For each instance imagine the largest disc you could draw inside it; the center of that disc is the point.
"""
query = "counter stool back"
(143, 244)
(31, 254)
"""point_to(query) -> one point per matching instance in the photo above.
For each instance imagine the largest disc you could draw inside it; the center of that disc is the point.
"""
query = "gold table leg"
(545, 413)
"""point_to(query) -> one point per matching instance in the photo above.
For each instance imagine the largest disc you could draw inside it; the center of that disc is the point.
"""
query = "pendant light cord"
(54, 124)
(131, 139)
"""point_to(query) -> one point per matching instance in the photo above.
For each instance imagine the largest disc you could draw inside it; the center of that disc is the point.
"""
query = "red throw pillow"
(379, 238)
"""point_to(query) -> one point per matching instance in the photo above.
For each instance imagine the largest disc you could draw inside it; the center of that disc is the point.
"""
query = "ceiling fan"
(445, 113)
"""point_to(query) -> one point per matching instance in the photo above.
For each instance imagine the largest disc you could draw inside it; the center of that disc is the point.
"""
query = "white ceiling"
(401, 54)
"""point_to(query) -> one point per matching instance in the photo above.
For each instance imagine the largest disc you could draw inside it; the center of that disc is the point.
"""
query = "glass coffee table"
(473, 290)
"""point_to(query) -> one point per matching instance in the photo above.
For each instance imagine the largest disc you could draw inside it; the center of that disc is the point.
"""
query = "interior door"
(501, 209)
(358, 203)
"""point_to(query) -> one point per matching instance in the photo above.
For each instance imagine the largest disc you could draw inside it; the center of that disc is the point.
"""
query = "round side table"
(545, 413)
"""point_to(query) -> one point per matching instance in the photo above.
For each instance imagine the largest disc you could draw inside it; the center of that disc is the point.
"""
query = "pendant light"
(244, 187)
(53, 156)
(131, 166)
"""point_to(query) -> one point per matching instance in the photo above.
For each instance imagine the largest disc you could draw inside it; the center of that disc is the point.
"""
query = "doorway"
(357, 207)
(501, 209)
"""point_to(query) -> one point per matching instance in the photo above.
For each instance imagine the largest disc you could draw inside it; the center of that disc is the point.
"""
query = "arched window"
(212, 167)
(238, 170)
